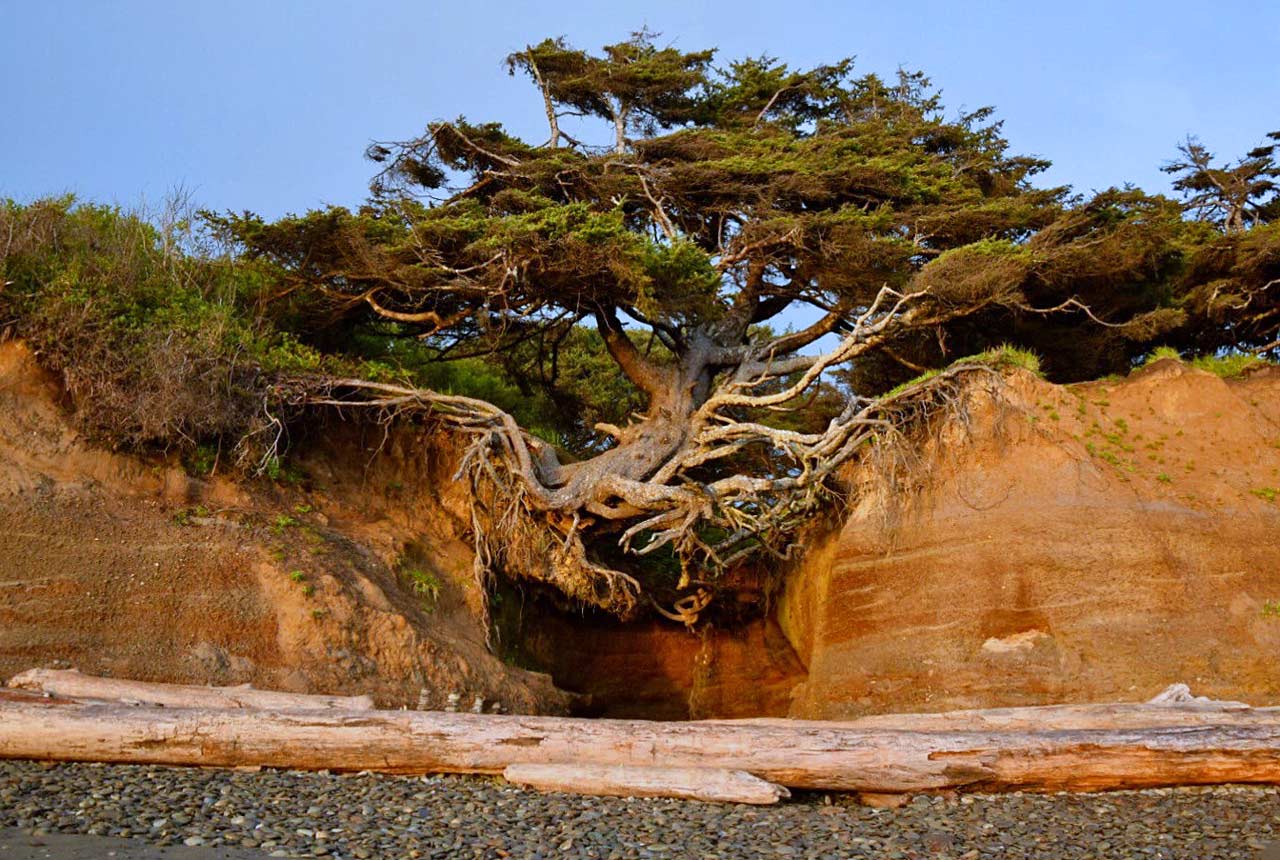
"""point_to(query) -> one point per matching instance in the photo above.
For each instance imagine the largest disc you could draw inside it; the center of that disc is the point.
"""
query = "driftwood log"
(1083, 748)
(618, 780)
(74, 685)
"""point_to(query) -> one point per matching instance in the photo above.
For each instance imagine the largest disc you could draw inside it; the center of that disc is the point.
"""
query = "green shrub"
(155, 340)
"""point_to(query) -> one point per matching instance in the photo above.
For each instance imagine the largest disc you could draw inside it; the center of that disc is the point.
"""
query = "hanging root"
(730, 490)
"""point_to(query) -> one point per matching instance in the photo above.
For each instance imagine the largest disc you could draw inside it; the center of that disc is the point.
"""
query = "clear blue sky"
(267, 105)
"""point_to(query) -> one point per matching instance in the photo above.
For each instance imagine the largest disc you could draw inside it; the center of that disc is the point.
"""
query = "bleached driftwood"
(75, 685)
(1130, 746)
(694, 783)
(1175, 706)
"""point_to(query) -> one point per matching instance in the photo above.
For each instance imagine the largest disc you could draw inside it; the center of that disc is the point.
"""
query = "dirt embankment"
(1085, 543)
(1074, 543)
(124, 567)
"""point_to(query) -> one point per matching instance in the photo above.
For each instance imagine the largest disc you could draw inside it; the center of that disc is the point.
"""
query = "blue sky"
(268, 105)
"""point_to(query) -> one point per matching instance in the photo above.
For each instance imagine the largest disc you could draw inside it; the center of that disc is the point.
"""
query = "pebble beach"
(137, 813)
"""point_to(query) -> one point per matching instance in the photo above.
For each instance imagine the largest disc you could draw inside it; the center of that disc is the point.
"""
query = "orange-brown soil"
(1084, 543)
(1076, 543)
(124, 567)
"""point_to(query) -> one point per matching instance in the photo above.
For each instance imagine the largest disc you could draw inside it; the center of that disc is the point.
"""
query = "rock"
(1017, 643)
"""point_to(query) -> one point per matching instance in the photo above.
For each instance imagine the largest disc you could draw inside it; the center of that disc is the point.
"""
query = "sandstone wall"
(1096, 542)
(130, 567)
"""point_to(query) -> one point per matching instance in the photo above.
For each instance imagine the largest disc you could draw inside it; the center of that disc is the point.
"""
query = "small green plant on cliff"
(1271, 609)
(202, 460)
(1267, 494)
(281, 523)
(300, 578)
(424, 584)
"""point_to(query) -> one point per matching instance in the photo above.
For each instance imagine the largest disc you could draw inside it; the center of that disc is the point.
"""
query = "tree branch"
(642, 373)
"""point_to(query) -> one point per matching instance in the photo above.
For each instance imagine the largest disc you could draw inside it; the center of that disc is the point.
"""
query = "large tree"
(720, 204)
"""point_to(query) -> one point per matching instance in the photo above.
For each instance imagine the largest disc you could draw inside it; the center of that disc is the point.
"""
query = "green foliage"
(1230, 365)
(1267, 494)
(1007, 355)
(200, 461)
(282, 523)
(1271, 609)
(156, 337)
(812, 185)
(1231, 196)
(424, 584)
(1160, 353)
(184, 516)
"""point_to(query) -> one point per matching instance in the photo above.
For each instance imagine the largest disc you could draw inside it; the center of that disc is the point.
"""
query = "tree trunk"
(1138, 746)
(73, 685)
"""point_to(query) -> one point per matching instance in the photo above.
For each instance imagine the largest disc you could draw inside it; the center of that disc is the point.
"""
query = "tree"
(1231, 290)
(1233, 196)
(727, 198)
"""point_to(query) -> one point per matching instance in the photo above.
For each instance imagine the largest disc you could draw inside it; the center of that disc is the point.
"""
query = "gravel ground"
(226, 814)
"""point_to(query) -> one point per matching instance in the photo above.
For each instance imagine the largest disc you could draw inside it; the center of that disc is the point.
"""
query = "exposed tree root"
(673, 485)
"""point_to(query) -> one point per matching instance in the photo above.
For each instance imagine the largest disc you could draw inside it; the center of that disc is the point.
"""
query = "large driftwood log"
(1177, 746)
(1174, 707)
(74, 685)
(617, 780)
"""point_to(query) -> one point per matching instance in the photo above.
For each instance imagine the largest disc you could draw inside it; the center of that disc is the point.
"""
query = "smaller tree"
(1233, 196)
(635, 86)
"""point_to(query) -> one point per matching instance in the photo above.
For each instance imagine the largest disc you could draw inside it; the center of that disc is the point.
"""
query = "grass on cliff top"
(1003, 357)
(1230, 365)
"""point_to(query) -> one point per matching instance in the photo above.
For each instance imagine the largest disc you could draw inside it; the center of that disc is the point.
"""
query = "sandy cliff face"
(131, 568)
(1084, 543)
